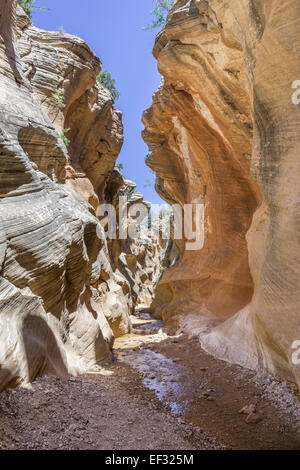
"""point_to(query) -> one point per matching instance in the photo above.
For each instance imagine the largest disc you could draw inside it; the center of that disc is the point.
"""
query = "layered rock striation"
(64, 294)
(223, 133)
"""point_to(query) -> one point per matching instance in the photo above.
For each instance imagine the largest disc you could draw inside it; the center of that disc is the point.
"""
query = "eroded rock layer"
(63, 295)
(224, 133)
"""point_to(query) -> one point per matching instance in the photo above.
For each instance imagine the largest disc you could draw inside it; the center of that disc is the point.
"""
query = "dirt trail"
(162, 393)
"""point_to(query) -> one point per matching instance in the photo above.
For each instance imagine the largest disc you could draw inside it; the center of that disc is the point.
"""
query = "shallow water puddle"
(172, 383)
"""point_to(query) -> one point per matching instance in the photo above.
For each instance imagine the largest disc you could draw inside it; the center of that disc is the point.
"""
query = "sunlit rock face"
(199, 130)
(136, 258)
(48, 244)
(223, 132)
(62, 70)
(62, 299)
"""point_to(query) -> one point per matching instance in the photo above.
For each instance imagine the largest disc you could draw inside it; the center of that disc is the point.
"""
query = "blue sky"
(113, 29)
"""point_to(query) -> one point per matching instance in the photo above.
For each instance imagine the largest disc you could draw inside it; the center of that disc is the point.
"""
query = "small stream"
(206, 402)
(172, 383)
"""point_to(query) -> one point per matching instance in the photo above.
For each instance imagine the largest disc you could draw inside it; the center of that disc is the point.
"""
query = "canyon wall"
(65, 292)
(223, 132)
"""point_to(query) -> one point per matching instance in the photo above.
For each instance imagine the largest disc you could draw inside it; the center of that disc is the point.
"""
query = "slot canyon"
(152, 341)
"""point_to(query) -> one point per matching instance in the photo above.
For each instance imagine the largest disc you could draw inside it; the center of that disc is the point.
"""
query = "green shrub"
(106, 80)
(60, 100)
(64, 138)
(28, 6)
(161, 8)
(120, 166)
(162, 269)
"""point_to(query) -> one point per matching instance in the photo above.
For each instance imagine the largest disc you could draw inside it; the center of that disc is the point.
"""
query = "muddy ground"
(162, 393)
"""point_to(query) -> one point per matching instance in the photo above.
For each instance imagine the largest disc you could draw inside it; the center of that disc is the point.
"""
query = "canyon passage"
(156, 339)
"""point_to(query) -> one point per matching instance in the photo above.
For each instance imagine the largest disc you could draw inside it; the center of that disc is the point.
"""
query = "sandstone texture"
(223, 132)
(64, 293)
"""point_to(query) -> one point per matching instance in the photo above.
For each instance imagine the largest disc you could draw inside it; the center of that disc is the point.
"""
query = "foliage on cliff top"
(161, 8)
(28, 6)
(106, 80)
(120, 166)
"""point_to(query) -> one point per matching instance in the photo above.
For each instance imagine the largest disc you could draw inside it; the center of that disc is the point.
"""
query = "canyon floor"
(161, 393)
